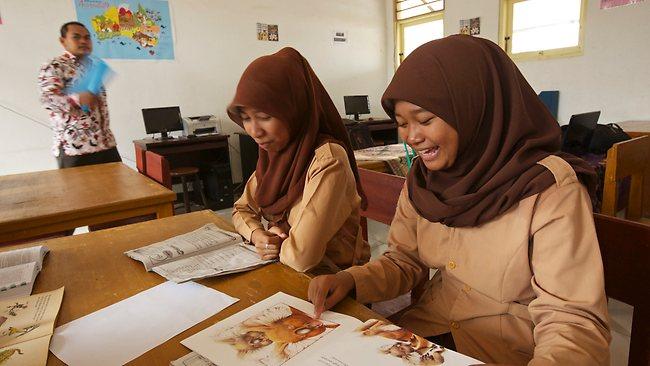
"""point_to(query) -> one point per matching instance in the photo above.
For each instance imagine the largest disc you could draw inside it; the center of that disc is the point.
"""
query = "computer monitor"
(162, 120)
(356, 105)
(578, 133)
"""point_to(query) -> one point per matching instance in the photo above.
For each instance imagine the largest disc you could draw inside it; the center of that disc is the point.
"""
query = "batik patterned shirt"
(75, 131)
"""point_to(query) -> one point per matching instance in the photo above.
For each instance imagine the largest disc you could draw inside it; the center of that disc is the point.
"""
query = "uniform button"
(451, 264)
(466, 288)
(455, 325)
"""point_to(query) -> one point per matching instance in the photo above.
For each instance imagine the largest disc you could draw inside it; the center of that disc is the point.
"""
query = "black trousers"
(106, 156)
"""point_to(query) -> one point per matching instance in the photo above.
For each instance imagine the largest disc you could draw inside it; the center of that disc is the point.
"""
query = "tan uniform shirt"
(325, 231)
(526, 287)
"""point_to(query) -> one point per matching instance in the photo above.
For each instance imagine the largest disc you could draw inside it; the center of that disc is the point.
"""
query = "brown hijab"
(503, 129)
(284, 86)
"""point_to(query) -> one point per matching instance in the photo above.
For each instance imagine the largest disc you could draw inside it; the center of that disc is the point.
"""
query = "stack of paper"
(18, 270)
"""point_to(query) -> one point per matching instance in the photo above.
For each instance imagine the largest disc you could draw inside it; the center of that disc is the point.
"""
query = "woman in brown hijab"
(306, 182)
(495, 208)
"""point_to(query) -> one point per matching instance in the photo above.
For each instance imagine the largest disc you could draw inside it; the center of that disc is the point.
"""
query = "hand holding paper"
(96, 75)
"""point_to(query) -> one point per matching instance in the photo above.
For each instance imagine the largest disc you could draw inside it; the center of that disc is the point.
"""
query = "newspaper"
(205, 252)
(280, 331)
(18, 270)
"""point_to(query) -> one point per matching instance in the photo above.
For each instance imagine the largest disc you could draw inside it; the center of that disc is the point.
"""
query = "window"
(405, 9)
(418, 22)
(537, 29)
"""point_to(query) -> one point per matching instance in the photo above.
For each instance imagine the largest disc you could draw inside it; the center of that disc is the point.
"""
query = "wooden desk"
(383, 131)
(183, 144)
(35, 204)
(636, 128)
(96, 274)
(209, 153)
(388, 159)
(375, 165)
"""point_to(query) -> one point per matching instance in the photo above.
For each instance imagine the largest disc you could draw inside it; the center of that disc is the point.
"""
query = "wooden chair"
(184, 173)
(140, 159)
(157, 167)
(628, 159)
(382, 191)
(625, 248)
(360, 136)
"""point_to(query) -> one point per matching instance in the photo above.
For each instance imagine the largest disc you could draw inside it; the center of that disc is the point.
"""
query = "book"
(205, 252)
(18, 270)
(281, 331)
(97, 73)
(26, 326)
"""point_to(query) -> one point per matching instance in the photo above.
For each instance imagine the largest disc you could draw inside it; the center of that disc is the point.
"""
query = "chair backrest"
(625, 249)
(157, 168)
(627, 159)
(360, 136)
(140, 159)
(382, 191)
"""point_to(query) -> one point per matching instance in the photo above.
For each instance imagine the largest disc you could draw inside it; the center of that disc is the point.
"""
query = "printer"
(200, 125)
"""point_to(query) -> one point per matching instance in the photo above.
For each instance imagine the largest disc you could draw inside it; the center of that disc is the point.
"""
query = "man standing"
(82, 135)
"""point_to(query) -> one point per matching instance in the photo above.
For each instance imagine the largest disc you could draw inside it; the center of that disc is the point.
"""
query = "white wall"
(612, 75)
(214, 42)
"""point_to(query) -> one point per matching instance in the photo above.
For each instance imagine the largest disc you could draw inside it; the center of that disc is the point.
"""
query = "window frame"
(505, 34)
(399, 29)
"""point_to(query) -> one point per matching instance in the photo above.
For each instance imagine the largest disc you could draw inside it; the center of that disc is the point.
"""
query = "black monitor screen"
(163, 119)
(578, 134)
(356, 104)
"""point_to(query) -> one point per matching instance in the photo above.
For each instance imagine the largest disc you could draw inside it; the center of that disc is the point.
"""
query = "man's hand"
(88, 99)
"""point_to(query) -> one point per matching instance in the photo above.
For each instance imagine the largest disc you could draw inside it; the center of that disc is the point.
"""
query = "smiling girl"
(496, 208)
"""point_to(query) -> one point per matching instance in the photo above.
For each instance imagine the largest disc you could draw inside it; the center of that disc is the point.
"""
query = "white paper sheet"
(125, 330)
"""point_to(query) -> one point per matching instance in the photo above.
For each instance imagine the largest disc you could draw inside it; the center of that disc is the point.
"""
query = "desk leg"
(645, 210)
(164, 210)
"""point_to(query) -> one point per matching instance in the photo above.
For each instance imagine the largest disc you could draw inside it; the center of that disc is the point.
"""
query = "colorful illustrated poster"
(607, 4)
(128, 29)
